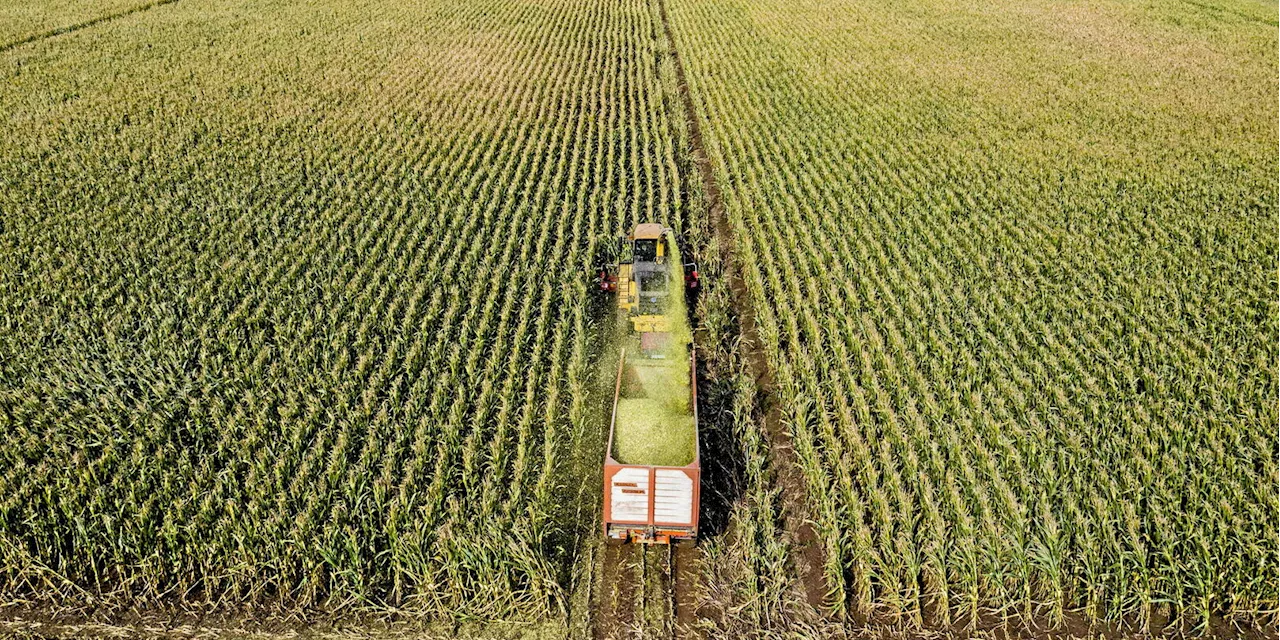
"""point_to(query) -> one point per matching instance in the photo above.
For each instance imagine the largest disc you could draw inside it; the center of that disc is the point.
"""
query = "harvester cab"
(642, 277)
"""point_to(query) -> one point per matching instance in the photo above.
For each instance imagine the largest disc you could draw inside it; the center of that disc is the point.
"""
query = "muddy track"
(686, 565)
(614, 601)
(645, 591)
(811, 560)
(36, 37)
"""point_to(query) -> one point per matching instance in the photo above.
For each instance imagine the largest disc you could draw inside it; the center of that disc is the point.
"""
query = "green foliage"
(293, 300)
(1014, 268)
(293, 310)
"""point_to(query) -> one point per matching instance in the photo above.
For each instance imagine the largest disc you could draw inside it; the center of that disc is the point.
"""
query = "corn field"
(1014, 265)
(293, 311)
(25, 21)
(296, 315)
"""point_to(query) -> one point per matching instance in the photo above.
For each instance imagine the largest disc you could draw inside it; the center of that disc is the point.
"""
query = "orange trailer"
(651, 503)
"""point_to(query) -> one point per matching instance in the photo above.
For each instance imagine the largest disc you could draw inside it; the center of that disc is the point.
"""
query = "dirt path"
(784, 457)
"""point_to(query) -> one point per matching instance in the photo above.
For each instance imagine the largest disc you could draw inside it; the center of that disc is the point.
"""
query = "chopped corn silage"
(650, 433)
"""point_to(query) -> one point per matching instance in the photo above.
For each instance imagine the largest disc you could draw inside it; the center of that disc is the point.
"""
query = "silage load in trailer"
(652, 471)
(654, 422)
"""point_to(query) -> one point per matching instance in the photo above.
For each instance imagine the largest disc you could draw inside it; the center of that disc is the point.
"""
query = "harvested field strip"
(615, 609)
(789, 478)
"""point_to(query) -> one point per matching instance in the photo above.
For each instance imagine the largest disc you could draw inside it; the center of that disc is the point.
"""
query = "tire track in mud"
(789, 476)
(45, 35)
(645, 591)
(686, 563)
(613, 603)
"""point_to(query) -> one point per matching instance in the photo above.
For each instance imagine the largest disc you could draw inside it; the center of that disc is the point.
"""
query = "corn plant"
(295, 315)
(1018, 291)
